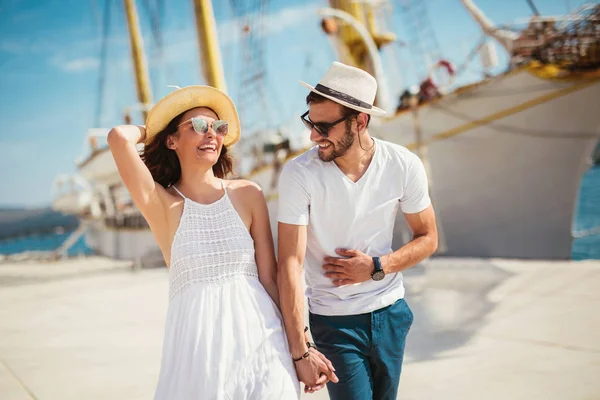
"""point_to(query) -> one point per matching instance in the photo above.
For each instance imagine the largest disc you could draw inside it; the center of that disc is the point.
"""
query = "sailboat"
(504, 155)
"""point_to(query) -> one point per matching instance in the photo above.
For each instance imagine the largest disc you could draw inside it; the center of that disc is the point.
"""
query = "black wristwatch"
(378, 273)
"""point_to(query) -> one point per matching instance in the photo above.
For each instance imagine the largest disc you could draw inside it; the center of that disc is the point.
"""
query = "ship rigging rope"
(252, 70)
(533, 8)
(516, 130)
(155, 12)
(103, 61)
(463, 67)
(154, 15)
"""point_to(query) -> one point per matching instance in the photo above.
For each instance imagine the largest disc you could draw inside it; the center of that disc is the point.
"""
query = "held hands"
(315, 371)
(356, 267)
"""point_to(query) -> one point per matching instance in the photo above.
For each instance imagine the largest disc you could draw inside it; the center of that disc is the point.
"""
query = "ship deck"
(484, 329)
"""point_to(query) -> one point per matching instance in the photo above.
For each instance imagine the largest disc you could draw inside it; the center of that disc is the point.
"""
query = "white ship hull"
(497, 191)
(500, 190)
(136, 245)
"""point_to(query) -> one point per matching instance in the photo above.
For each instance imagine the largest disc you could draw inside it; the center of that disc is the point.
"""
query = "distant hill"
(23, 222)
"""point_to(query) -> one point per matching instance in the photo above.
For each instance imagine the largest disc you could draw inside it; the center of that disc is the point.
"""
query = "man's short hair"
(314, 97)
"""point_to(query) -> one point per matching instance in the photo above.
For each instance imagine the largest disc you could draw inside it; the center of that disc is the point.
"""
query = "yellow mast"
(210, 54)
(142, 79)
(363, 13)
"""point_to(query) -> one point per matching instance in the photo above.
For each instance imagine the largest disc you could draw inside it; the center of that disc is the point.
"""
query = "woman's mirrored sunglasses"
(201, 126)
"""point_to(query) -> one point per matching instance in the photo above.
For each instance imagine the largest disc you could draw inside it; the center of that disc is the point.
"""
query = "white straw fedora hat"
(349, 86)
(186, 98)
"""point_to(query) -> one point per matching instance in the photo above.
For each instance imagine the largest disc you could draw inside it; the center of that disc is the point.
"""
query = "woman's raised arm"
(144, 191)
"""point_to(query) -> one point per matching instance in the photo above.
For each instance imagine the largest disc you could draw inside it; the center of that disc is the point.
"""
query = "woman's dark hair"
(163, 162)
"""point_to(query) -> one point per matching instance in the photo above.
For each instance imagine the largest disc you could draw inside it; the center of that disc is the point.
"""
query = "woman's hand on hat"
(142, 129)
(127, 134)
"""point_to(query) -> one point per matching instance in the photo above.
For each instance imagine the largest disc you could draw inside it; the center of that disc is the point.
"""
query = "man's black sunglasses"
(322, 128)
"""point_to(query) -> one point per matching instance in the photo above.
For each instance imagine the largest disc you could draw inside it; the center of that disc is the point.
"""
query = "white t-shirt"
(355, 216)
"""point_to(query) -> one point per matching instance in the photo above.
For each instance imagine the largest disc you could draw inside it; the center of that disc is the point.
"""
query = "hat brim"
(374, 111)
(190, 97)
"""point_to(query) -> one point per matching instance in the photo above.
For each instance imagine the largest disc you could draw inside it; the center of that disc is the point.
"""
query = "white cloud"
(77, 64)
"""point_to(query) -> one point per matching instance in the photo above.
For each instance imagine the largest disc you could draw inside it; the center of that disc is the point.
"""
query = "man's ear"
(361, 121)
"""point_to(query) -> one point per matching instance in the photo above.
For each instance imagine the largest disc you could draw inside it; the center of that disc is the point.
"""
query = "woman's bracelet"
(309, 345)
(302, 357)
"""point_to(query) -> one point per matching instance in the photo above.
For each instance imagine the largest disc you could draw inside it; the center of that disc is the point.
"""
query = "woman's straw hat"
(187, 98)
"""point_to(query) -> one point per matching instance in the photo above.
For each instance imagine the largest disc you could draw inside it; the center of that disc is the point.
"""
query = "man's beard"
(341, 148)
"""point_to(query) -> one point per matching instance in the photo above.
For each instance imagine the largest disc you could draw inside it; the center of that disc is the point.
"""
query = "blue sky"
(50, 63)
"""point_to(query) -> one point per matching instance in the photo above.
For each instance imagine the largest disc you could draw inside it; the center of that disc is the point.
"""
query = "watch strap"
(377, 264)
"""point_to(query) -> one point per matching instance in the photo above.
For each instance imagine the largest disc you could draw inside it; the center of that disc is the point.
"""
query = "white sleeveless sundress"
(224, 337)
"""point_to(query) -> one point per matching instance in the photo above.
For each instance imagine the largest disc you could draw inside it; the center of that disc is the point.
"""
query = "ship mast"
(358, 39)
(142, 79)
(357, 53)
(210, 54)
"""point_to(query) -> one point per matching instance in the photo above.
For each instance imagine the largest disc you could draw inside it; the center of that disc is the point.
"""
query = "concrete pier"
(484, 329)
